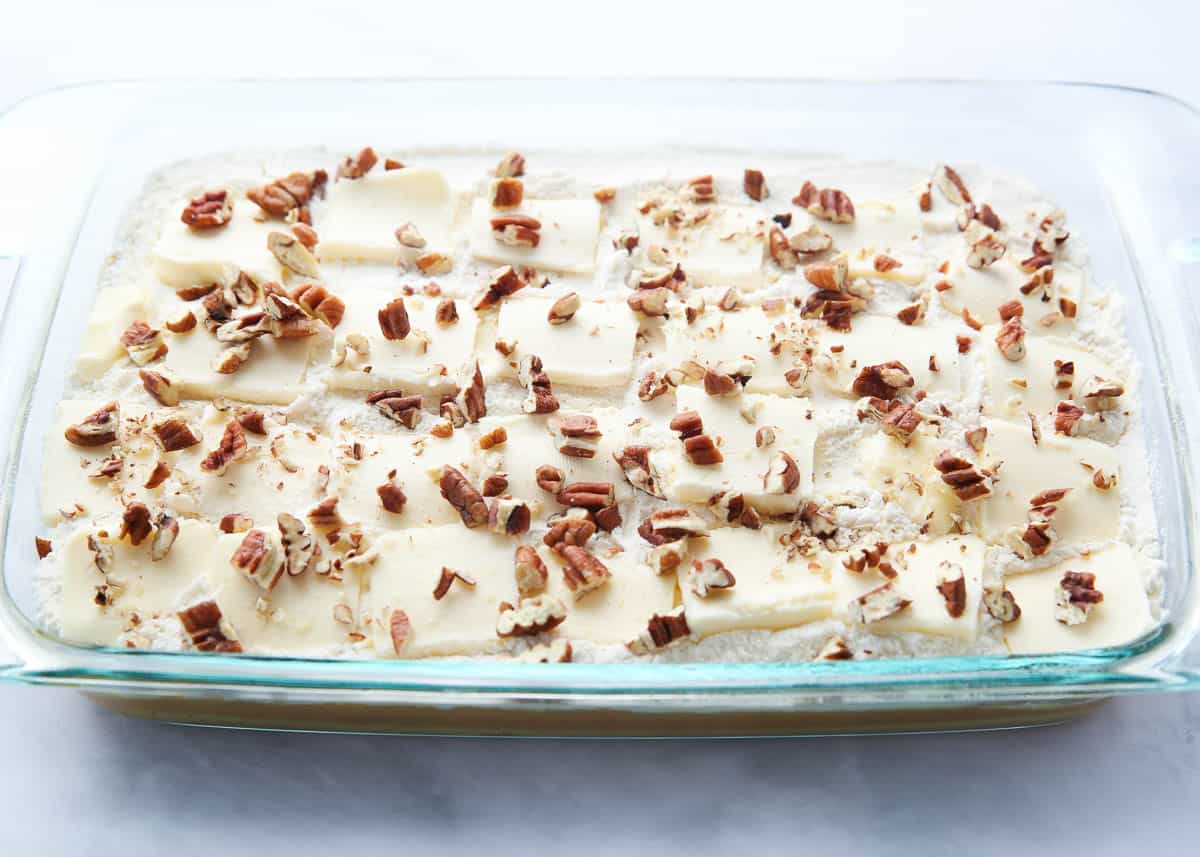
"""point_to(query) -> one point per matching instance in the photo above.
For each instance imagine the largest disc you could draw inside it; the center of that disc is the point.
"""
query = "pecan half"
(662, 630)
(966, 480)
(446, 580)
(516, 230)
(549, 478)
(587, 495)
(98, 428)
(883, 380)
(174, 434)
(258, 559)
(393, 320)
(183, 324)
(205, 629)
(708, 575)
(209, 210)
(827, 203)
(579, 435)
(300, 549)
(900, 421)
(530, 572)
(531, 616)
(569, 531)
(671, 525)
(397, 407)
(461, 494)
(233, 447)
(292, 192)
(1075, 596)
(318, 302)
(583, 572)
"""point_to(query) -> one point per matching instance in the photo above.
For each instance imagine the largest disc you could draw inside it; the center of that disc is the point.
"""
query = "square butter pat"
(115, 309)
(187, 257)
(1016, 388)
(905, 475)
(744, 465)
(982, 292)
(409, 567)
(593, 349)
(425, 361)
(569, 232)
(771, 590)
(919, 566)
(359, 220)
(66, 474)
(1025, 469)
(619, 610)
(724, 250)
(1123, 615)
(876, 339)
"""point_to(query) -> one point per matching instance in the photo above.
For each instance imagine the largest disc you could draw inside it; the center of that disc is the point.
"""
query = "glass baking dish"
(1116, 159)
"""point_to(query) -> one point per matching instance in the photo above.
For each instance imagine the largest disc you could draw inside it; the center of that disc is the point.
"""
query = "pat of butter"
(905, 475)
(409, 567)
(617, 611)
(881, 226)
(187, 257)
(114, 310)
(982, 291)
(425, 361)
(919, 565)
(1123, 615)
(593, 349)
(417, 460)
(570, 229)
(1016, 388)
(875, 339)
(360, 220)
(771, 590)
(718, 336)
(745, 464)
(66, 468)
(1023, 469)
(726, 249)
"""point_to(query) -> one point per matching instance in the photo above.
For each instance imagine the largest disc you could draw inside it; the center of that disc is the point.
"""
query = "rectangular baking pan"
(1116, 159)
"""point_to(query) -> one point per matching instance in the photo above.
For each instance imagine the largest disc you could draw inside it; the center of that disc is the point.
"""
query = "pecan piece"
(569, 531)
(1000, 604)
(235, 522)
(397, 407)
(508, 517)
(564, 309)
(209, 210)
(183, 324)
(540, 398)
(506, 192)
(472, 399)
(1075, 596)
(166, 531)
(461, 494)
(878, 604)
(1067, 416)
(952, 584)
(530, 572)
(96, 429)
(135, 523)
(828, 203)
(755, 185)
(650, 302)
(318, 302)
(708, 575)
(549, 478)
(174, 434)
(1102, 394)
(206, 629)
(300, 549)
(587, 495)
(662, 630)
(900, 421)
(393, 320)
(1011, 339)
(292, 254)
(288, 194)
(951, 185)
(446, 580)
(583, 572)
(504, 281)
(399, 628)
(357, 166)
(671, 525)
(409, 236)
(325, 513)
(446, 312)
(966, 480)
(160, 387)
(494, 485)
(835, 649)
(651, 387)
(634, 462)
(517, 230)
(782, 476)
(719, 384)
(143, 343)
(512, 165)
(555, 652)
(985, 249)
(579, 435)
(883, 380)
(531, 616)
(233, 447)
(258, 559)
(44, 547)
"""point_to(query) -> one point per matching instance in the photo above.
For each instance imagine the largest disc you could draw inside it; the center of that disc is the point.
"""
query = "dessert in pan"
(597, 408)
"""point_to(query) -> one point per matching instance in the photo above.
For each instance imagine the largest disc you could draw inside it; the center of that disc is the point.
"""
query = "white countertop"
(76, 779)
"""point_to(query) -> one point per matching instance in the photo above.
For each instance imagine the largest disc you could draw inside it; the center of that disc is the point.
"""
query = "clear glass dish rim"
(1141, 665)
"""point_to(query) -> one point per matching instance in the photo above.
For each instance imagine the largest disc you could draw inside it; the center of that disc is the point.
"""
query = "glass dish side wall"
(1112, 158)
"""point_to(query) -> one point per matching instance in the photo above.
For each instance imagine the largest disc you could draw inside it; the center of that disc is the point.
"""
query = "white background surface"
(75, 779)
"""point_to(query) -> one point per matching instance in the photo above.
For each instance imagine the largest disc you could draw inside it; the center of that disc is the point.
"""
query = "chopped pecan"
(434, 264)
(782, 476)
(755, 185)
(391, 495)
(701, 189)
(583, 572)
(884, 263)
(861, 559)
(206, 630)
(1075, 596)
(409, 236)
(579, 435)
(143, 343)
(883, 380)
(235, 522)
(662, 630)
(506, 192)
(531, 616)
(292, 192)
(496, 437)
(508, 516)
(472, 398)
(494, 485)
(835, 649)
(651, 387)
(719, 384)
(318, 302)
(1067, 416)
(292, 254)
(564, 309)
(209, 210)
(650, 302)
(984, 249)
(549, 478)
(900, 421)
(671, 525)
(701, 450)
(708, 575)
(764, 437)
(393, 320)
(530, 572)
(446, 580)
(300, 549)
(780, 250)
(511, 165)
(306, 235)
(397, 407)
(325, 513)
(166, 531)
(174, 434)
(829, 276)
(1011, 339)
(951, 185)
(634, 462)
(1103, 481)
(160, 386)
(461, 494)
(810, 241)
(357, 166)
(827, 203)
(446, 312)
(96, 429)
(194, 293)
(1000, 604)
(399, 627)
(1010, 310)
(966, 480)
(554, 652)
(878, 604)
(569, 531)
(135, 523)
(258, 559)
(504, 281)
(587, 495)
(233, 447)
(540, 398)
(604, 195)
(183, 324)
(517, 230)
(1101, 394)
(952, 584)
(664, 276)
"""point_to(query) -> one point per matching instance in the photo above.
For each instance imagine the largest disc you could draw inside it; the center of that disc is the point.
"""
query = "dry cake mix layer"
(604, 408)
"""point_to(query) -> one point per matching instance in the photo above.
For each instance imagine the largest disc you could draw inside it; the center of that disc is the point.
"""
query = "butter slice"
(1023, 470)
(1123, 615)
(408, 569)
(425, 361)
(418, 461)
(593, 349)
(295, 618)
(905, 475)
(918, 565)
(187, 257)
(149, 589)
(725, 250)
(360, 220)
(617, 611)
(114, 310)
(745, 464)
(771, 591)
(570, 230)
(982, 291)
(875, 339)
(273, 375)
(531, 444)
(889, 226)
(1034, 376)
(718, 336)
